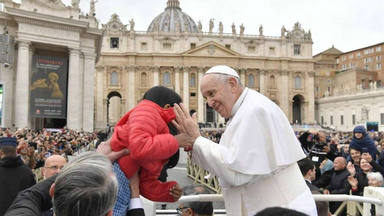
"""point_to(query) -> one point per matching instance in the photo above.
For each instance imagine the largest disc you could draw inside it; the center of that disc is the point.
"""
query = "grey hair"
(85, 187)
(377, 176)
(224, 77)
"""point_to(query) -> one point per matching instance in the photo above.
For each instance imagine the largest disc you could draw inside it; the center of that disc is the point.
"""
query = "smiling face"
(220, 92)
(365, 166)
(358, 135)
(355, 155)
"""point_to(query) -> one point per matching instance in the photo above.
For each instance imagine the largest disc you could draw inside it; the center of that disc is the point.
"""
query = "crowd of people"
(261, 163)
(35, 146)
(342, 162)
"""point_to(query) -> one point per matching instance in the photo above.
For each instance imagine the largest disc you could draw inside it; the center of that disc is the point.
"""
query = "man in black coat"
(15, 176)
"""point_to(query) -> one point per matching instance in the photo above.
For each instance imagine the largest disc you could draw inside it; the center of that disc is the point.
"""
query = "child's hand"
(176, 192)
(184, 141)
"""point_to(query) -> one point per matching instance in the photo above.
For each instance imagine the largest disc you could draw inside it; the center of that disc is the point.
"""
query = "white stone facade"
(179, 59)
(366, 105)
(52, 27)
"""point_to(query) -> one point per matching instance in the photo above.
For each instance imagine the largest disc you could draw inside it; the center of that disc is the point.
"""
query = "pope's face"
(219, 94)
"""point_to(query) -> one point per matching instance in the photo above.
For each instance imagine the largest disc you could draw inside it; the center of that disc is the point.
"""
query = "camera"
(317, 153)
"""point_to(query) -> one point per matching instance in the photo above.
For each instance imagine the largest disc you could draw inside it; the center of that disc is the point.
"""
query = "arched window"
(114, 78)
(166, 79)
(251, 81)
(192, 81)
(272, 82)
(144, 80)
(297, 82)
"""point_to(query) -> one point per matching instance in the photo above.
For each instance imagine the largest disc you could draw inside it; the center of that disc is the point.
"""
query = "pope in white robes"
(256, 159)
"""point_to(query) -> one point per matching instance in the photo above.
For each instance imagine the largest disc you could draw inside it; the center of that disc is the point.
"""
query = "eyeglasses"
(180, 210)
(55, 167)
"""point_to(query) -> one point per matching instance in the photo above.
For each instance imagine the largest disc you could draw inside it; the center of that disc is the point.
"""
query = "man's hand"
(134, 185)
(176, 192)
(185, 123)
(105, 149)
(184, 141)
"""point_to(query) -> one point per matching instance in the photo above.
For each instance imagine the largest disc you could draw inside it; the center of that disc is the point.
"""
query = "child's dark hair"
(162, 96)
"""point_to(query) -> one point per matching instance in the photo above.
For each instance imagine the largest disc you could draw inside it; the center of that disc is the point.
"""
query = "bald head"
(339, 163)
(53, 165)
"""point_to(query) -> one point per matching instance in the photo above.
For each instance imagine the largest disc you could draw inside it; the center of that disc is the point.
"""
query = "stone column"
(177, 80)
(88, 91)
(262, 83)
(186, 87)
(200, 99)
(309, 89)
(74, 105)
(284, 93)
(100, 123)
(131, 87)
(242, 73)
(22, 86)
(156, 73)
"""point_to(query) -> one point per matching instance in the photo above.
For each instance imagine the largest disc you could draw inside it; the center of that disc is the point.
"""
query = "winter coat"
(364, 142)
(144, 131)
(15, 176)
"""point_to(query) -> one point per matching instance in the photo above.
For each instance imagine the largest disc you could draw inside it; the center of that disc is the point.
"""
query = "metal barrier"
(202, 176)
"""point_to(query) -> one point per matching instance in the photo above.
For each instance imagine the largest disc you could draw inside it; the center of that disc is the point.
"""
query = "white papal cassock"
(256, 159)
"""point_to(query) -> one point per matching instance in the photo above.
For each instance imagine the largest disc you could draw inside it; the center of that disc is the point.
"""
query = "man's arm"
(208, 155)
(32, 201)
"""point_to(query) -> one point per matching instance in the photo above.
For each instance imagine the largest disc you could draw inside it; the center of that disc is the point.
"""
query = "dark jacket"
(363, 144)
(15, 176)
(339, 182)
(36, 201)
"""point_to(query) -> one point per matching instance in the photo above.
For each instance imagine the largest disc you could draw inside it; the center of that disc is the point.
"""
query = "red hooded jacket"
(144, 131)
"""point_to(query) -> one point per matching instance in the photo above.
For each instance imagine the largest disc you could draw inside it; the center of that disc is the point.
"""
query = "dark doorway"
(210, 114)
(114, 102)
(297, 109)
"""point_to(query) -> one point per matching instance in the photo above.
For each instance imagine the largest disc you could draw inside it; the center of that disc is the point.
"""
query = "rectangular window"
(382, 118)
(296, 49)
(251, 49)
(344, 58)
(337, 61)
(167, 46)
(114, 42)
(271, 50)
(358, 55)
(342, 120)
(193, 45)
(353, 119)
(351, 56)
(228, 46)
(366, 67)
(331, 120)
(378, 58)
(144, 46)
(378, 66)
(378, 49)
(322, 120)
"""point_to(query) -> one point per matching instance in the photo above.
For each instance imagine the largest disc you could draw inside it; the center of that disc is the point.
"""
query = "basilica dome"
(173, 20)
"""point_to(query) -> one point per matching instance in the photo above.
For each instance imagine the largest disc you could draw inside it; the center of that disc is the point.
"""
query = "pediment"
(115, 25)
(211, 49)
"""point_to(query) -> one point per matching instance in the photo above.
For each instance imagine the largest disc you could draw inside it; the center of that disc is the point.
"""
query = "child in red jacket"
(144, 130)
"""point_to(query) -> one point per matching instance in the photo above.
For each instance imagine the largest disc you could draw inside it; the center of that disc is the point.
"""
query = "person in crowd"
(308, 170)
(258, 150)
(77, 184)
(326, 171)
(53, 165)
(339, 181)
(195, 208)
(355, 153)
(375, 179)
(345, 151)
(145, 131)
(363, 141)
(15, 176)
